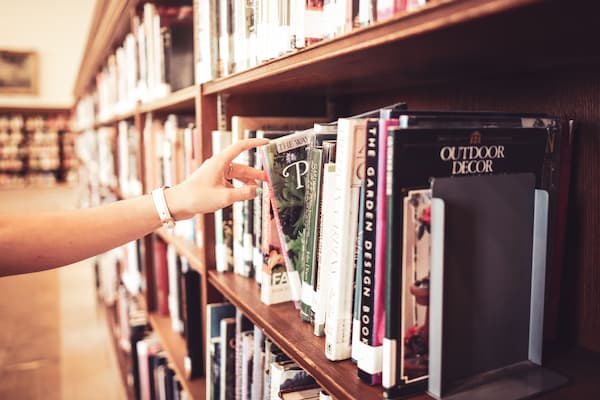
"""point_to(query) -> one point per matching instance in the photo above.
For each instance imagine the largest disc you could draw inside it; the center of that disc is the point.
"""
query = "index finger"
(231, 152)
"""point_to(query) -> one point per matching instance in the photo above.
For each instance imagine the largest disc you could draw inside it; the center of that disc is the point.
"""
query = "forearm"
(30, 243)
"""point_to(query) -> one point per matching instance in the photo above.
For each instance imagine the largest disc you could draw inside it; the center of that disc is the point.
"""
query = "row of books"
(155, 377)
(150, 374)
(235, 35)
(351, 206)
(155, 58)
(119, 282)
(171, 149)
(177, 295)
(242, 363)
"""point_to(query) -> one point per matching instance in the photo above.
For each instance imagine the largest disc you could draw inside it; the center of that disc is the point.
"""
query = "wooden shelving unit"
(497, 55)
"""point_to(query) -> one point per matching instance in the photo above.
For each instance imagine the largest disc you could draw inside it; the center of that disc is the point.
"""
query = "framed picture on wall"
(19, 72)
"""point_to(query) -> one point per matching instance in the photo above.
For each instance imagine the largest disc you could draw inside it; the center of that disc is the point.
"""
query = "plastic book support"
(486, 305)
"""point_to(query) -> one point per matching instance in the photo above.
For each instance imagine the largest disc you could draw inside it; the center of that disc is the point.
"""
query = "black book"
(414, 157)
(178, 40)
(137, 331)
(192, 312)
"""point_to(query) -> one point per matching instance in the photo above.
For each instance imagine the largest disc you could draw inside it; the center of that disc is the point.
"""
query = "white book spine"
(327, 206)
(220, 140)
(349, 158)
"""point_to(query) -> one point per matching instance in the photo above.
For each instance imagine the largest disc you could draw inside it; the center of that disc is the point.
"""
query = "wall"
(58, 31)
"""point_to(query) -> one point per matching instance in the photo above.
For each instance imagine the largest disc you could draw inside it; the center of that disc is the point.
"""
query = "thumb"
(243, 193)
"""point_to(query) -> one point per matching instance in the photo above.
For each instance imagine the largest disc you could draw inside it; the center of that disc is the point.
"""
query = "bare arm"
(37, 242)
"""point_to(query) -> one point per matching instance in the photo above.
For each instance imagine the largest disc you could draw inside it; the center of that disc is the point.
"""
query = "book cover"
(285, 161)
(275, 286)
(271, 127)
(214, 314)
(227, 359)
(415, 156)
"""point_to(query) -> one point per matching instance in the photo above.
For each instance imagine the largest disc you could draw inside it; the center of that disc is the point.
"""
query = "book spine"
(349, 165)
(162, 276)
(227, 358)
(193, 362)
(389, 342)
(258, 364)
(257, 257)
(311, 209)
(324, 277)
(248, 219)
(224, 216)
(369, 361)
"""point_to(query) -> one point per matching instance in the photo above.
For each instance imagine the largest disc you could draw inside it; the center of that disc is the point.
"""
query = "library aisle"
(54, 341)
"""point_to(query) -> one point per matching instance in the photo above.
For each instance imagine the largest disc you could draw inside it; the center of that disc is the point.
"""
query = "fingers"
(244, 173)
(235, 149)
(247, 192)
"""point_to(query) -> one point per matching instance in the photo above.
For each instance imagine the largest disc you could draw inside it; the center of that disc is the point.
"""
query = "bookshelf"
(498, 55)
(36, 146)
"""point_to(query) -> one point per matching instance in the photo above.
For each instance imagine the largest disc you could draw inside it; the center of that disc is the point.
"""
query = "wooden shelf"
(282, 323)
(445, 40)
(175, 348)
(181, 100)
(184, 247)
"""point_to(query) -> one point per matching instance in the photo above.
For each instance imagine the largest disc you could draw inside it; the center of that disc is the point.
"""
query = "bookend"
(488, 260)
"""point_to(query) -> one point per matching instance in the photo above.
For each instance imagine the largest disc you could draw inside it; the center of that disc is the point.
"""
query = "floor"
(54, 340)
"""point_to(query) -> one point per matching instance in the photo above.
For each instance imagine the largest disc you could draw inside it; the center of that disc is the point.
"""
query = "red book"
(161, 276)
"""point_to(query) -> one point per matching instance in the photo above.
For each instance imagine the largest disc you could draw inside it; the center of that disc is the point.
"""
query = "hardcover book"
(415, 156)
(270, 127)
(214, 314)
(350, 156)
(227, 364)
(224, 216)
(285, 161)
(192, 312)
(325, 135)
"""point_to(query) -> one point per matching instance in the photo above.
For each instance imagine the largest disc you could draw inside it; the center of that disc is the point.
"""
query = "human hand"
(208, 189)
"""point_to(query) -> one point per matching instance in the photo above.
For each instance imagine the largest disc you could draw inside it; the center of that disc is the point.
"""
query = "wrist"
(176, 203)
